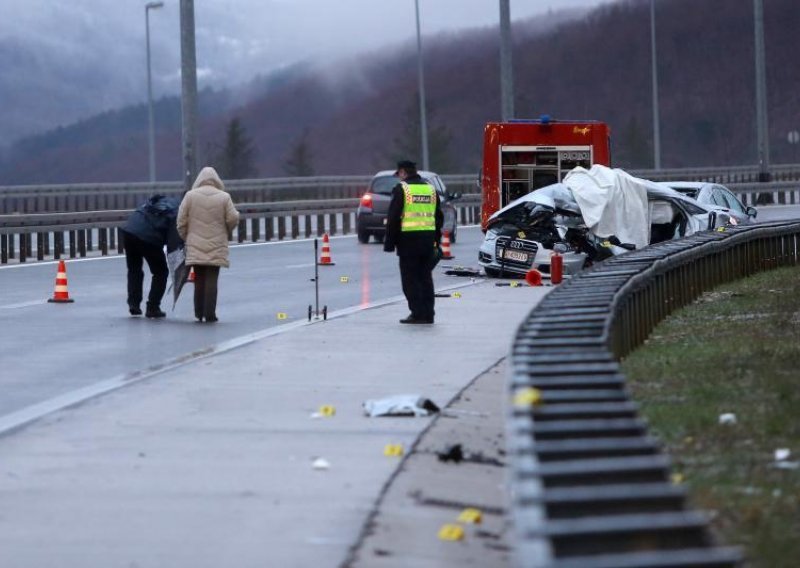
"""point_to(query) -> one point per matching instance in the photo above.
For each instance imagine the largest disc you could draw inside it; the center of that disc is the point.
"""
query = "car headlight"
(491, 236)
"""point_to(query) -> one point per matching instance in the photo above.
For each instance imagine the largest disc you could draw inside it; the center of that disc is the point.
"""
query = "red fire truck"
(520, 156)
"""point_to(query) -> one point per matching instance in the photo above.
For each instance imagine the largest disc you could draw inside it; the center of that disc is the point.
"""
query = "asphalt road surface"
(50, 349)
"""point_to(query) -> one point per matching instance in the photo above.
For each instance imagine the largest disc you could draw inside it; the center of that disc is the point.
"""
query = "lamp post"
(761, 93)
(151, 133)
(506, 70)
(423, 121)
(654, 72)
(188, 94)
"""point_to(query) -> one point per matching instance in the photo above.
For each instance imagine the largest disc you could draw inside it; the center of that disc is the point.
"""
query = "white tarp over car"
(612, 203)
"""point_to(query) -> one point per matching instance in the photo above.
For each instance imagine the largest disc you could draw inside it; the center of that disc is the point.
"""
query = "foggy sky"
(99, 45)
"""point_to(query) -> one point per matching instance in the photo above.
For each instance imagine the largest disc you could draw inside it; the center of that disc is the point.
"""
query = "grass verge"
(734, 351)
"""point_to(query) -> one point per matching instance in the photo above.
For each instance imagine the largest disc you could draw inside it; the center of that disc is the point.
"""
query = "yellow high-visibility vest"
(419, 208)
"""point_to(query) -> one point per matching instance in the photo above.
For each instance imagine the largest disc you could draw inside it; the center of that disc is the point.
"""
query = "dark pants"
(136, 251)
(417, 279)
(205, 291)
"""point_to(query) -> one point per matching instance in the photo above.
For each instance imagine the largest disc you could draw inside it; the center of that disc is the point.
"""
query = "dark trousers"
(137, 251)
(417, 279)
(205, 291)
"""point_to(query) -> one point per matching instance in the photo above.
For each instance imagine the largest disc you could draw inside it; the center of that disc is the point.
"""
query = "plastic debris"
(727, 418)
(782, 454)
(452, 453)
(321, 463)
(400, 405)
(462, 271)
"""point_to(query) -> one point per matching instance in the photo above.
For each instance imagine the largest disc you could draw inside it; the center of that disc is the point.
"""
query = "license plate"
(514, 255)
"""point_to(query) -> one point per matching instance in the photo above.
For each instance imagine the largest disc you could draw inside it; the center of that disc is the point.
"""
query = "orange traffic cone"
(191, 274)
(61, 295)
(446, 246)
(325, 255)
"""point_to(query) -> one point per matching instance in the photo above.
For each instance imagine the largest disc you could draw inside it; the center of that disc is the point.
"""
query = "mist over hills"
(593, 66)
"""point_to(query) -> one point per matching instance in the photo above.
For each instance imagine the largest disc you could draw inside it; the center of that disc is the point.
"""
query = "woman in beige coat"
(205, 218)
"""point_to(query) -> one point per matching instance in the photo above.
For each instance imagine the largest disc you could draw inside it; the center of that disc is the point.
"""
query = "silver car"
(374, 205)
(526, 232)
(716, 196)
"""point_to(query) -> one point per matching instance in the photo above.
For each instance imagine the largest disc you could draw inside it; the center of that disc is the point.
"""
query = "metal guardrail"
(109, 196)
(44, 236)
(725, 175)
(590, 488)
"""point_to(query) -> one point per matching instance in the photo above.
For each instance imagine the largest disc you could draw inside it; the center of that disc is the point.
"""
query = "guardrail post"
(39, 247)
(320, 225)
(58, 244)
(46, 237)
(346, 223)
(82, 242)
(242, 232)
(3, 249)
(120, 241)
(102, 238)
(281, 228)
(255, 229)
(269, 230)
(308, 225)
(23, 247)
(72, 237)
(89, 240)
(333, 224)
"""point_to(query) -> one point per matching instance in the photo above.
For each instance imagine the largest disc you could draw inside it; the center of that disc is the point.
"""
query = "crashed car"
(590, 216)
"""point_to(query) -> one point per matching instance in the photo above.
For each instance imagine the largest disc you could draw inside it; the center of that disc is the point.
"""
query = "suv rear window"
(384, 184)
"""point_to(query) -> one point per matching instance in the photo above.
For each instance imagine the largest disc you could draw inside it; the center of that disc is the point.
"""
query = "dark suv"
(371, 214)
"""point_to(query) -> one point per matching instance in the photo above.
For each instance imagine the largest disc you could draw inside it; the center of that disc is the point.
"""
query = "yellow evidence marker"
(344, 279)
(393, 450)
(327, 410)
(470, 515)
(282, 316)
(451, 532)
(527, 396)
(456, 294)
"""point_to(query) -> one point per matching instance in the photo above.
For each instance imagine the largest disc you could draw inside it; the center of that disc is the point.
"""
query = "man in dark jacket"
(145, 234)
(413, 228)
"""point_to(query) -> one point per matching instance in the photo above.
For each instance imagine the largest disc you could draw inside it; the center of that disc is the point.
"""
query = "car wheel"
(363, 236)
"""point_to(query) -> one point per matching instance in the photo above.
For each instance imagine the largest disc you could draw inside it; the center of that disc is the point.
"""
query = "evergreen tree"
(236, 160)
(408, 144)
(299, 162)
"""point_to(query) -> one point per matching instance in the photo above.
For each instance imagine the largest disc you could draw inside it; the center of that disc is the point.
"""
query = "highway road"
(51, 349)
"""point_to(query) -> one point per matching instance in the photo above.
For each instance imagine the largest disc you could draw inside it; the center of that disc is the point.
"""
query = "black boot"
(154, 312)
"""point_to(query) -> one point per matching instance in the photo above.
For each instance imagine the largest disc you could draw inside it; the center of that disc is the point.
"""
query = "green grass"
(736, 350)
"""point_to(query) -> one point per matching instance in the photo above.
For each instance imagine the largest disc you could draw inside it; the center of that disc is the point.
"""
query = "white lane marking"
(22, 305)
(308, 265)
(21, 418)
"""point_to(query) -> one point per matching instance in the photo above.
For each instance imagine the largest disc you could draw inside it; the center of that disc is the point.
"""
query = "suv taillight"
(366, 200)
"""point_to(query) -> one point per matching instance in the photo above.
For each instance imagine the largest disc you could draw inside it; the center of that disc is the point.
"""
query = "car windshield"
(690, 191)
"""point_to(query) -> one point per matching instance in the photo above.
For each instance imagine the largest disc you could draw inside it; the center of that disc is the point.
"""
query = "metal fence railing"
(45, 236)
(589, 487)
(110, 196)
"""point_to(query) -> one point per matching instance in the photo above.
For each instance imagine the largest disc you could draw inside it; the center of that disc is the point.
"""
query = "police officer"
(413, 228)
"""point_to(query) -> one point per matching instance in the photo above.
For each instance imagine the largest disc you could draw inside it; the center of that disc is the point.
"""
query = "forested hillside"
(359, 116)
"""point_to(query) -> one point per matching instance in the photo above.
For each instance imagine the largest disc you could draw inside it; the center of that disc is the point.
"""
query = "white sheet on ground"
(612, 202)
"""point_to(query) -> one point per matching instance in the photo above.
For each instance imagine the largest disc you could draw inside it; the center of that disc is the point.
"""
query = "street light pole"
(654, 72)
(506, 70)
(188, 93)
(423, 121)
(761, 93)
(151, 132)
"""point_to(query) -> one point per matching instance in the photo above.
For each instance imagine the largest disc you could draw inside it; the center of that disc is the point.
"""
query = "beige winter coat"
(205, 218)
